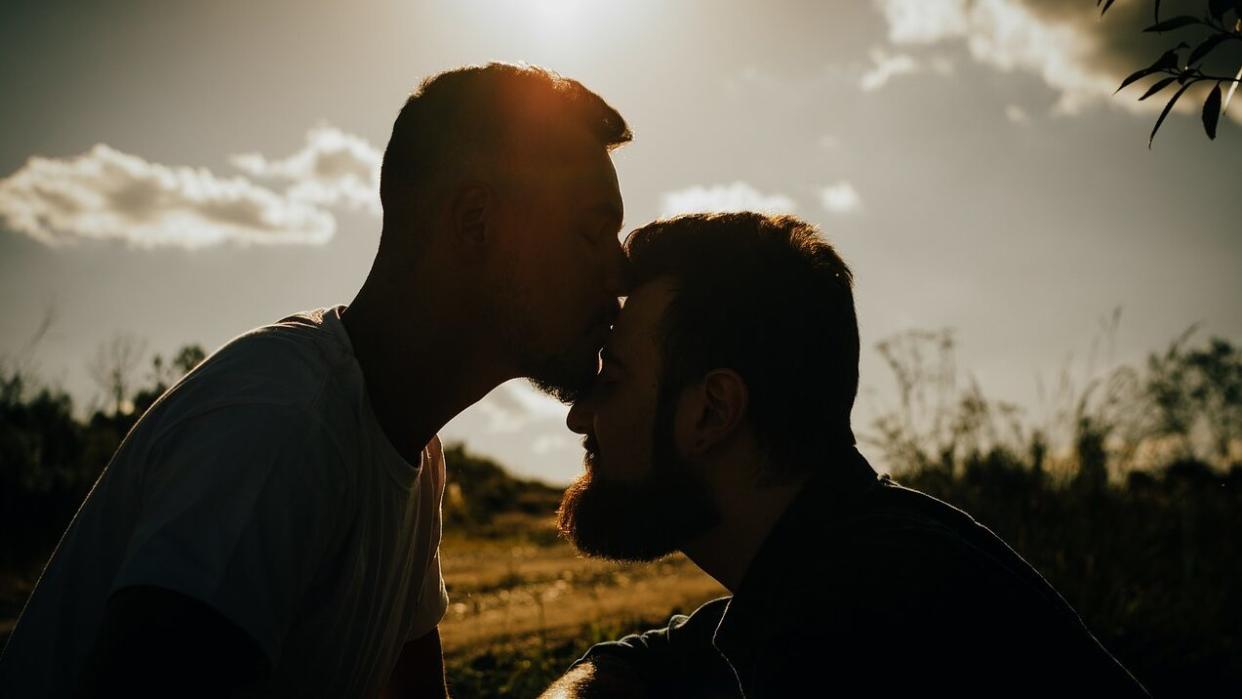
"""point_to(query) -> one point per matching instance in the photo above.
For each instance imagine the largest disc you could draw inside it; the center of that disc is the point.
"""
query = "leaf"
(1160, 85)
(1167, 60)
(1205, 48)
(1170, 24)
(1167, 108)
(1211, 111)
(1107, 5)
(1136, 75)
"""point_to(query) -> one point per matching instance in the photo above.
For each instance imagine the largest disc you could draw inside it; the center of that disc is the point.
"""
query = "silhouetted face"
(563, 262)
(638, 499)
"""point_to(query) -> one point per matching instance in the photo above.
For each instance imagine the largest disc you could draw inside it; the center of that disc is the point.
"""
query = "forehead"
(636, 335)
(569, 164)
(590, 185)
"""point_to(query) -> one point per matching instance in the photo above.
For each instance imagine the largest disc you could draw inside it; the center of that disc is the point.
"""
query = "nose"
(580, 416)
(617, 271)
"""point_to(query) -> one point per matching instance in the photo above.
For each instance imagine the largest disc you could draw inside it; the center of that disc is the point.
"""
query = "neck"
(748, 512)
(421, 366)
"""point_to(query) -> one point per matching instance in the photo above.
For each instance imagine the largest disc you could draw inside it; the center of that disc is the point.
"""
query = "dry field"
(535, 588)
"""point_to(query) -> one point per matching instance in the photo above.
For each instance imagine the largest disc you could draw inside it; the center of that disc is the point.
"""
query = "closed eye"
(604, 387)
(599, 236)
(592, 239)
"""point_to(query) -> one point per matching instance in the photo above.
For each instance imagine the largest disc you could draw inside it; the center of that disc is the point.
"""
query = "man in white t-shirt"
(271, 525)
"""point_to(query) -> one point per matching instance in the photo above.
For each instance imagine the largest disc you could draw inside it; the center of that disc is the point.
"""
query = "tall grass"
(1128, 497)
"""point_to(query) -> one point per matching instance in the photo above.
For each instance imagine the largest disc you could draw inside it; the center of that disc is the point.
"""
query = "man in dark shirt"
(719, 427)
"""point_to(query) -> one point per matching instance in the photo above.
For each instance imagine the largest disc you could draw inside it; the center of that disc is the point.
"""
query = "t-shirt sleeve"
(433, 599)
(432, 603)
(240, 507)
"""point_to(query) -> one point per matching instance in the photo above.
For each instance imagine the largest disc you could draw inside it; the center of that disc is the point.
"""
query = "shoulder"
(289, 361)
(906, 523)
(895, 546)
(918, 556)
(290, 367)
(243, 447)
(248, 424)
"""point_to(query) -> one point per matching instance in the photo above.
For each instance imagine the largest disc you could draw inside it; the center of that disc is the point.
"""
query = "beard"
(567, 374)
(566, 378)
(642, 520)
(559, 363)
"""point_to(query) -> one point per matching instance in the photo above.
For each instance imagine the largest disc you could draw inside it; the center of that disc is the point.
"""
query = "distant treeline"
(1127, 496)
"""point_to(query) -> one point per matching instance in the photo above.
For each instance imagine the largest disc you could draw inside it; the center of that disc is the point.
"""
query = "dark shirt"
(865, 586)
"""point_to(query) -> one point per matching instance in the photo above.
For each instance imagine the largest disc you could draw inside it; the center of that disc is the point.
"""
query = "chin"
(566, 379)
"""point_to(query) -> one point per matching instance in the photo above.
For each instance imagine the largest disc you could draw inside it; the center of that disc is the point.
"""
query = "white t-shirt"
(262, 485)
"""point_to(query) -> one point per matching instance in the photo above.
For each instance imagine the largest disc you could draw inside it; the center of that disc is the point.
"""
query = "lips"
(600, 325)
(591, 446)
(605, 319)
(599, 333)
(610, 312)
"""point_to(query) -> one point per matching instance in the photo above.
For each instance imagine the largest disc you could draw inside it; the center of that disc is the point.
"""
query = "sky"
(183, 172)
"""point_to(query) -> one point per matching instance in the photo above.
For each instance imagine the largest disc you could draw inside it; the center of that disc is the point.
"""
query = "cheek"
(685, 427)
(550, 294)
(624, 431)
(570, 298)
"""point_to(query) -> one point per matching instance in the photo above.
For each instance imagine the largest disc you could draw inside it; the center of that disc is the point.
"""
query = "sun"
(558, 12)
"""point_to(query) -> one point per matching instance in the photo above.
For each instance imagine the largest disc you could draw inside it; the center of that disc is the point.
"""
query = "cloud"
(514, 405)
(548, 443)
(333, 167)
(105, 194)
(1016, 114)
(738, 196)
(924, 21)
(886, 67)
(1064, 42)
(840, 198)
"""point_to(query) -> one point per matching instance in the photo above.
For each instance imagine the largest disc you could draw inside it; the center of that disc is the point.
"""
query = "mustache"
(607, 315)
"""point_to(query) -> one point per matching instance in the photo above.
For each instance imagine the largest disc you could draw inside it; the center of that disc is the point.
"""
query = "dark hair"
(768, 297)
(478, 107)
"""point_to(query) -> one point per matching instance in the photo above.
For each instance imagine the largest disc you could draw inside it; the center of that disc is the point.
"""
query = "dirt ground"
(501, 590)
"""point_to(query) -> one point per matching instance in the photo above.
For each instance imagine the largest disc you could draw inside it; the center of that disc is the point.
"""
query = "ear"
(472, 208)
(717, 409)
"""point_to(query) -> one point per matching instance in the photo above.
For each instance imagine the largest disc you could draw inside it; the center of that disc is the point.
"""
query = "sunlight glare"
(557, 13)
